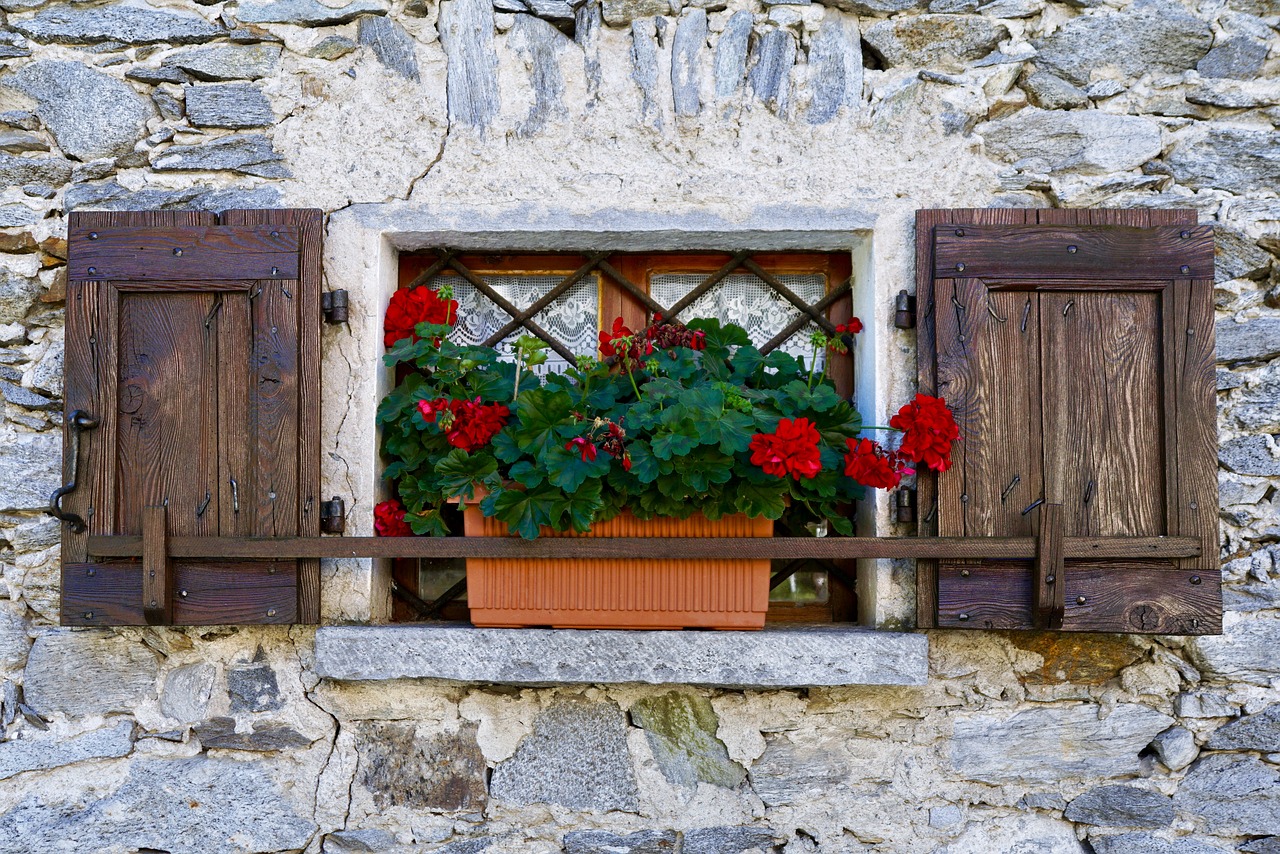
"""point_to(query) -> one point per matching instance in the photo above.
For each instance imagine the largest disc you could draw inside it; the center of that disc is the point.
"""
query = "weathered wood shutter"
(192, 358)
(1076, 349)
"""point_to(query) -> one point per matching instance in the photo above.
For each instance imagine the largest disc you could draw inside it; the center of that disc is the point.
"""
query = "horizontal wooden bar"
(1099, 253)
(184, 253)
(729, 548)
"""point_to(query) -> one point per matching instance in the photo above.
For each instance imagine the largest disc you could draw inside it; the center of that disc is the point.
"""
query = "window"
(576, 296)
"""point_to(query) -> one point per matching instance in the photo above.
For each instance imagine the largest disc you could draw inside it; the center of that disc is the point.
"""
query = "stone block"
(187, 804)
(89, 113)
(1259, 731)
(1051, 92)
(1085, 141)
(17, 142)
(1151, 36)
(604, 842)
(730, 64)
(540, 45)
(1176, 748)
(332, 47)
(307, 13)
(644, 69)
(228, 105)
(115, 22)
(40, 751)
(835, 67)
(393, 47)
(14, 641)
(929, 40)
(88, 673)
(16, 171)
(1234, 94)
(1253, 340)
(33, 470)
(17, 215)
(1235, 58)
(687, 62)
(876, 7)
(1043, 745)
(1121, 806)
(681, 730)
(214, 63)
(576, 757)
(466, 34)
(1269, 845)
(265, 736)
(620, 13)
(253, 688)
(1077, 659)
(1227, 158)
(771, 658)
(187, 691)
(251, 154)
(796, 769)
(1232, 795)
(774, 56)
(1146, 843)
(731, 840)
(359, 841)
(441, 772)
(1249, 455)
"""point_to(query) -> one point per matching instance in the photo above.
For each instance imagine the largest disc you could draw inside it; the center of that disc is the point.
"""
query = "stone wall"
(729, 110)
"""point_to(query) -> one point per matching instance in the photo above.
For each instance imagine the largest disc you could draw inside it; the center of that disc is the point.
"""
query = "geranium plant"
(670, 420)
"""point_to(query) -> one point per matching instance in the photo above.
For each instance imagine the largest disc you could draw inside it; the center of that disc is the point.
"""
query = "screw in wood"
(1195, 506)
(153, 603)
(1184, 235)
(959, 232)
(962, 617)
(964, 573)
(275, 271)
(183, 594)
(271, 612)
(93, 235)
(91, 572)
(88, 615)
(1195, 579)
(960, 268)
(1184, 269)
(1071, 250)
(177, 252)
(93, 270)
(275, 234)
(1050, 579)
(1080, 600)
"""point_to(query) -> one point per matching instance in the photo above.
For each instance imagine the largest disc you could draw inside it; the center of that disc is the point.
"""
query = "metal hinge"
(333, 515)
(904, 509)
(334, 306)
(904, 310)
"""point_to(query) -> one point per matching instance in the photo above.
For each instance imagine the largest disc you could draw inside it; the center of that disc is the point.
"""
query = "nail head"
(1073, 249)
(93, 235)
(183, 594)
(93, 271)
(962, 617)
(959, 232)
(960, 268)
(1184, 269)
(1080, 600)
(1195, 579)
(964, 573)
(271, 612)
(1185, 234)
(177, 252)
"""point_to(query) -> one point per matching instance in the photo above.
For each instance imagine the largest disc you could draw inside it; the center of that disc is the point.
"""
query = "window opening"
(566, 299)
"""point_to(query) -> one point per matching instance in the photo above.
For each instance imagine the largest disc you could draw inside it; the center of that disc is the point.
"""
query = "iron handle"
(77, 421)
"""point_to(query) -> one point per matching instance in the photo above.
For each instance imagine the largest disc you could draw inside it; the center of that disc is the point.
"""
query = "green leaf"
(582, 505)
(539, 413)
(568, 470)
(505, 447)
(430, 522)
(728, 335)
(524, 512)
(525, 472)
(732, 431)
(756, 499)
(457, 473)
(644, 465)
(668, 444)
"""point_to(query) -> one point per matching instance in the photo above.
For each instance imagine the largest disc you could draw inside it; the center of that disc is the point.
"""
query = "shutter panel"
(1076, 349)
(194, 346)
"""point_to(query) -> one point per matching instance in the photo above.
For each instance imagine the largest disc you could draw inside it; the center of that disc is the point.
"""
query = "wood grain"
(1049, 563)
(156, 608)
(1111, 251)
(166, 253)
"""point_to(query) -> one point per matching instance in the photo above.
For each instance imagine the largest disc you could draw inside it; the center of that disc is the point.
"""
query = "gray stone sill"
(773, 658)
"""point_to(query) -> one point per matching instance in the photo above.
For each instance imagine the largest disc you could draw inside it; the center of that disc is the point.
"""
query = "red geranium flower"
(853, 327)
(588, 449)
(467, 424)
(388, 520)
(409, 307)
(607, 338)
(791, 449)
(868, 464)
(930, 431)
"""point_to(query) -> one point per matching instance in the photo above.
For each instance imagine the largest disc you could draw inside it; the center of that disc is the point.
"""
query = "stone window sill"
(774, 658)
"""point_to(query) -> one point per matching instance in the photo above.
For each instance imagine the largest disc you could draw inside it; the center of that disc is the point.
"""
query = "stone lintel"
(773, 658)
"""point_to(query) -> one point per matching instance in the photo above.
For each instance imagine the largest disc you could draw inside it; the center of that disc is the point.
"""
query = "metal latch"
(904, 310)
(333, 515)
(334, 306)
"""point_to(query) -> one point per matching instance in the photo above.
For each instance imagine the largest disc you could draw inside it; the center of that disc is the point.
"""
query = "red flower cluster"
(868, 464)
(791, 449)
(467, 424)
(607, 349)
(388, 520)
(612, 444)
(410, 307)
(587, 449)
(853, 327)
(659, 336)
(930, 431)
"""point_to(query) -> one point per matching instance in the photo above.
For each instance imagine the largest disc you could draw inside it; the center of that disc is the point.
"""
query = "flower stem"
(626, 363)
(813, 364)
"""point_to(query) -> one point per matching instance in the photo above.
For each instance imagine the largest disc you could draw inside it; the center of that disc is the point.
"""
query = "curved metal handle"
(77, 421)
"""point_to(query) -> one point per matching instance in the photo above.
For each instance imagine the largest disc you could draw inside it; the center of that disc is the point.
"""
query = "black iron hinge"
(333, 515)
(904, 311)
(334, 306)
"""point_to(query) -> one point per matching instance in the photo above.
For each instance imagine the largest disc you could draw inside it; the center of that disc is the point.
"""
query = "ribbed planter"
(644, 592)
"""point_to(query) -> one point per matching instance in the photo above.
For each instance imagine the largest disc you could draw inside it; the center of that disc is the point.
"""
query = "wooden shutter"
(193, 345)
(1076, 349)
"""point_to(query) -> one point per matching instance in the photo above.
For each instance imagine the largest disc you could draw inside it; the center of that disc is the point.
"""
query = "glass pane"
(573, 317)
(437, 576)
(744, 299)
(802, 587)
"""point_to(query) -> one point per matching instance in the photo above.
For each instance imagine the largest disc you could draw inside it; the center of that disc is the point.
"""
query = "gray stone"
(307, 13)
(88, 673)
(920, 40)
(90, 114)
(1243, 652)
(1045, 744)
(771, 658)
(770, 75)
(359, 841)
(588, 22)
(253, 688)
(1254, 340)
(687, 61)
(264, 738)
(835, 67)
(393, 47)
(187, 691)
(214, 63)
(16, 142)
(604, 842)
(945, 816)
(1085, 141)
(576, 757)
(14, 642)
(731, 840)
(876, 7)
(251, 154)
(400, 768)
(1249, 455)
(152, 76)
(551, 10)
(1255, 408)
(466, 33)
(1121, 806)
(1235, 94)
(792, 770)
(43, 750)
(187, 803)
(32, 467)
(1236, 256)
(466, 846)
(1202, 704)
(112, 196)
(1235, 58)
(16, 171)
(1232, 795)
(1051, 92)
(1259, 731)
(644, 69)
(1146, 843)
(1149, 37)
(115, 22)
(731, 54)
(1102, 89)
(1012, 8)
(1235, 159)
(540, 44)
(1043, 801)
(1176, 748)
(332, 47)
(1269, 845)
(19, 119)
(619, 13)
(25, 397)
(33, 535)
(681, 729)
(228, 105)
(17, 214)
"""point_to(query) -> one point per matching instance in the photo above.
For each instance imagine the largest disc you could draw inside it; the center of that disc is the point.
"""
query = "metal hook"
(1032, 506)
(1017, 478)
(1026, 312)
(1067, 308)
(991, 311)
